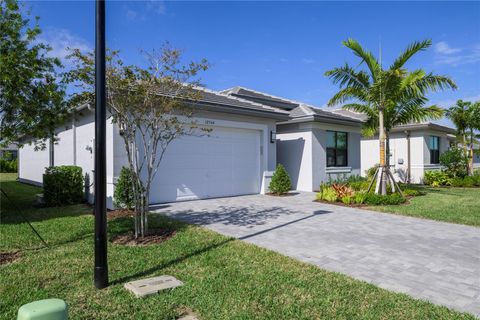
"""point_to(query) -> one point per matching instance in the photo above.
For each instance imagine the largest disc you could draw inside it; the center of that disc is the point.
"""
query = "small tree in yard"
(455, 162)
(31, 98)
(280, 183)
(151, 106)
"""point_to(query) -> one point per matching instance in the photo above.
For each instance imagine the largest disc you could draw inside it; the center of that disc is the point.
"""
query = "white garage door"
(224, 163)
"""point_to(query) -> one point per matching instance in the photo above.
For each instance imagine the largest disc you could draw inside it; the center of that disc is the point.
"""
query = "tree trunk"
(382, 137)
(387, 149)
(470, 155)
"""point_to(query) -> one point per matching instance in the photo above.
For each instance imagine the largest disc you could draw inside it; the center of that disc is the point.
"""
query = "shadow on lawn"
(208, 248)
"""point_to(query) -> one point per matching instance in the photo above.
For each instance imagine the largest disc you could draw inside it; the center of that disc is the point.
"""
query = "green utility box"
(48, 309)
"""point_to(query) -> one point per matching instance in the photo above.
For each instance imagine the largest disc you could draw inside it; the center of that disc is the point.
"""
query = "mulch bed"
(9, 257)
(154, 236)
(120, 213)
(282, 195)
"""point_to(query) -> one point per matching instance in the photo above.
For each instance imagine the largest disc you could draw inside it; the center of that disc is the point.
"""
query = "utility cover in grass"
(145, 287)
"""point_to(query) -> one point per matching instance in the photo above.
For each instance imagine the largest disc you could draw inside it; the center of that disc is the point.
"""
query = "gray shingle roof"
(262, 98)
(297, 109)
(217, 98)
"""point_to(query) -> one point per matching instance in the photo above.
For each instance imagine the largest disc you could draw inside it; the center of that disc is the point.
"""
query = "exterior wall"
(75, 146)
(32, 164)
(294, 152)
(419, 153)
(302, 150)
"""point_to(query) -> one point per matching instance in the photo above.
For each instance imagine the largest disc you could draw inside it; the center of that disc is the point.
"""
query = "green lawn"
(224, 278)
(456, 205)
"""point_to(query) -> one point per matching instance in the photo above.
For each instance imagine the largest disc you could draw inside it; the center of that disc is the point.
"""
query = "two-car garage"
(224, 162)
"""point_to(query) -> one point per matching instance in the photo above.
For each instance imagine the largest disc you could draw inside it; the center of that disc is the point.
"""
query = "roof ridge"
(221, 93)
(265, 94)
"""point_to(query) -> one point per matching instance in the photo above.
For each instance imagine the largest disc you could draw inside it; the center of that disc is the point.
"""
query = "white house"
(314, 145)
(414, 149)
(236, 158)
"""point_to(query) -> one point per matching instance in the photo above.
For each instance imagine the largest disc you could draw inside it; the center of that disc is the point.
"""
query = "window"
(434, 147)
(336, 149)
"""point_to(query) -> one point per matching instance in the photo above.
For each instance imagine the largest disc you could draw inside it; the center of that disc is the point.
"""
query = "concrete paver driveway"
(426, 259)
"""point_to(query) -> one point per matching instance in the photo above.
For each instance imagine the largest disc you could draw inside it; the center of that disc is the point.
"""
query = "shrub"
(389, 199)
(436, 178)
(347, 199)
(455, 161)
(342, 190)
(62, 185)
(327, 193)
(412, 193)
(280, 182)
(370, 172)
(359, 185)
(7, 163)
(123, 195)
(360, 197)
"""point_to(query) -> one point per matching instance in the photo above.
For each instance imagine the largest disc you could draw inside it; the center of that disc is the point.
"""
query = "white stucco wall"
(32, 164)
(301, 148)
(294, 152)
(74, 147)
(419, 153)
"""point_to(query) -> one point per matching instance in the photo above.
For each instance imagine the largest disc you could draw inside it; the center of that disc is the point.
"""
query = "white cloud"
(61, 40)
(443, 48)
(157, 6)
(456, 56)
(131, 14)
(308, 61)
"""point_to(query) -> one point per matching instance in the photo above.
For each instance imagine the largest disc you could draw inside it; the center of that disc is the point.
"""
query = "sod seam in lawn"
(224, 278)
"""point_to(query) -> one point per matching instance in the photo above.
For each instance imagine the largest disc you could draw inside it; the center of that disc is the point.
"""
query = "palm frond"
(409, 52)
(366, 57)
(346, 94)
(346, 76)
(415, 113)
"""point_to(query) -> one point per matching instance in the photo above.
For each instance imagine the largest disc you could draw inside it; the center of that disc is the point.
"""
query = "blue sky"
(282, 48)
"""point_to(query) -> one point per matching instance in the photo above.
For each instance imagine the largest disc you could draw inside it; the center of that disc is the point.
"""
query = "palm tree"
(465, 115)
(388, 97)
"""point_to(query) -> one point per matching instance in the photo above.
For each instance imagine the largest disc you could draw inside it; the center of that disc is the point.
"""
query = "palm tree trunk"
(387, 149)
(465, 150)
(382, 138)
(470, 155)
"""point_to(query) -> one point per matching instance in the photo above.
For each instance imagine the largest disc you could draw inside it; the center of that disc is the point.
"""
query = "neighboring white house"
(314, 145)
(414, 149)
(11, 150)
(236, 158)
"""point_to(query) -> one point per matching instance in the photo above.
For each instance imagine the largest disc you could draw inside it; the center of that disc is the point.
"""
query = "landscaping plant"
(62, 185)
(455, 162)
(387, 96)
(123, 196)
(280, 183)
(7, 164)
(152, 107)
(466, 117)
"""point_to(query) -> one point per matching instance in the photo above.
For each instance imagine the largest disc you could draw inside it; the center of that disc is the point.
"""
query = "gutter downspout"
(409, 167)
(74, 133)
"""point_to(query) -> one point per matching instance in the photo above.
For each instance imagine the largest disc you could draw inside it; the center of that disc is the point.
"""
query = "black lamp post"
(101, 268)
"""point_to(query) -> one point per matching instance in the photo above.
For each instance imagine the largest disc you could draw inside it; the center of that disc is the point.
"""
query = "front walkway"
(426, 259)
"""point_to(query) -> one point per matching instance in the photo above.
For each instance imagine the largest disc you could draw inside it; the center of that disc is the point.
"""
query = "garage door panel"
(225, 163)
